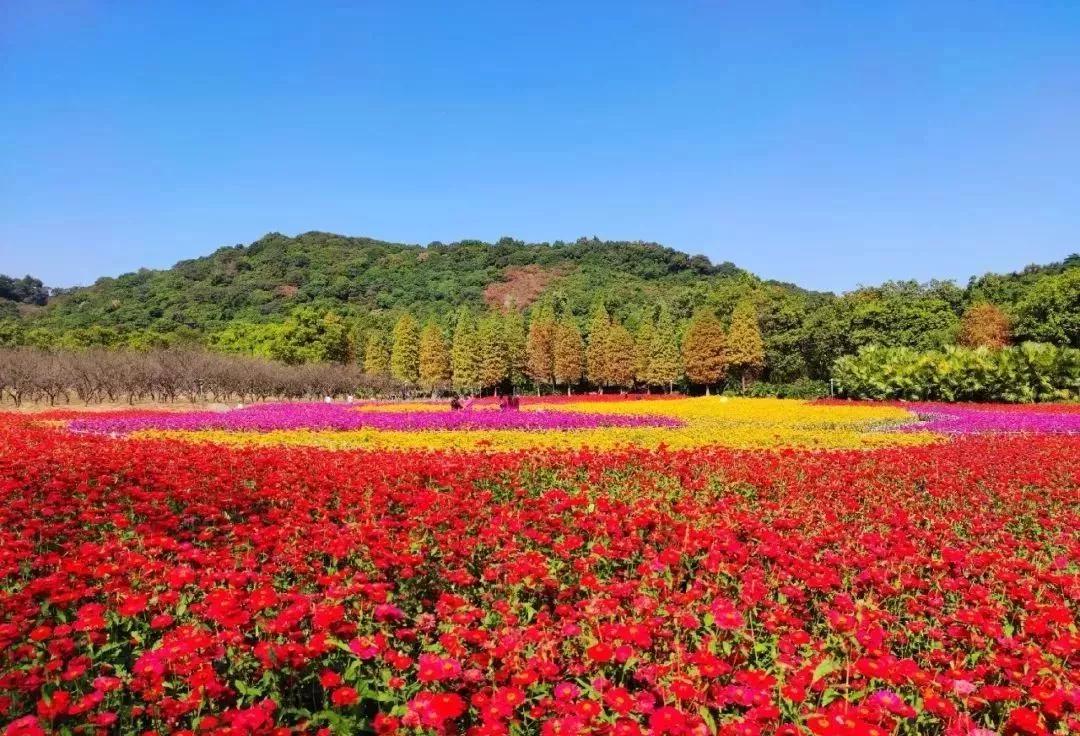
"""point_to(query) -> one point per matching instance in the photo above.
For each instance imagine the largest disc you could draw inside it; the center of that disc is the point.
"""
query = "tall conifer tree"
(665, 364)
(434, 358)
(540, 347)
(568, 354)
(515, 340)
(644, 343)
(619, 356)
(465, 353)
(405, 353)
(598, 351)
(376, 354)
(703, 349)
(745, 345)
(493, 369)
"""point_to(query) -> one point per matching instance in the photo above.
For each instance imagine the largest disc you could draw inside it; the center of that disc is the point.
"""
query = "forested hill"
(231, 298)
(276, 274)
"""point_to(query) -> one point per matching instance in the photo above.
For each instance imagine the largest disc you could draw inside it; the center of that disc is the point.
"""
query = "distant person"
(455, 404)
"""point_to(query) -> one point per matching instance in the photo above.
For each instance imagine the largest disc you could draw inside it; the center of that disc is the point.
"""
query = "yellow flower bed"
(742, 423)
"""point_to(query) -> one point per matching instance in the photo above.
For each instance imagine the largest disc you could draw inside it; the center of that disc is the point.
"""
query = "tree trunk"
(707, 392)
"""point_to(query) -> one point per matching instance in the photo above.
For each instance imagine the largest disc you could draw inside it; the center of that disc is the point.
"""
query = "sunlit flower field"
(674, 423)
(586, 565)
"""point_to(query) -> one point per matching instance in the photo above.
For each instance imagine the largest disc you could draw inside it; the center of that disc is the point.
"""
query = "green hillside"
(233, 298)
(276, 274)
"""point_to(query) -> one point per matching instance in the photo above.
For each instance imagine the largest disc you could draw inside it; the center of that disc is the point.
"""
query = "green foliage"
(377, 354)
(598, 351)
(265, 299)
(568, 354)
(745, 354)
(644, 342)
(434, 358)
(1050, 310)
(515, 338)
(267, 280)
(804, 388)
(26, 290)
(1027, 373)
(465, 353)
(308, 337)
(665, 362)
(494, 365)
(405, 350)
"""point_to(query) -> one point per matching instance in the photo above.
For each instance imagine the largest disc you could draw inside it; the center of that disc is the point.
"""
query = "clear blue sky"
(830, 144)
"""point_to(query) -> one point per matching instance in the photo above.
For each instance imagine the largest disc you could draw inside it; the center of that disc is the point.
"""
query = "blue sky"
(830, 144)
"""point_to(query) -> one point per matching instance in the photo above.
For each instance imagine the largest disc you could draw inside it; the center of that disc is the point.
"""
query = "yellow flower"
(741, 423)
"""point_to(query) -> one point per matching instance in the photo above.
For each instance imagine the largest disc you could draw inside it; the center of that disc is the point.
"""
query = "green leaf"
(826, 668)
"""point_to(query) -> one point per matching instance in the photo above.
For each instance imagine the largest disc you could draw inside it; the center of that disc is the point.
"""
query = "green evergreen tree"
(465, 354)
(515, 339)
(745, 345)
(494, 365)
(620, 356)
(644, 344)
(665, 363)
(598, 351)
(568, 360)
(405, 352)
(376, 354)
(434, 358)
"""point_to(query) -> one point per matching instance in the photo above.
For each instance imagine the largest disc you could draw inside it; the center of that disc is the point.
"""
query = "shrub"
(1026, 373)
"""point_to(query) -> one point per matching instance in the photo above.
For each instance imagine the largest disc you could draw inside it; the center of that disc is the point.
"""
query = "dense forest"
(323, 297)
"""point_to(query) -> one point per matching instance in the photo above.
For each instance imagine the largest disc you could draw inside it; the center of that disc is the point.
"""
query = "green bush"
(1023, 374)
(804, 388)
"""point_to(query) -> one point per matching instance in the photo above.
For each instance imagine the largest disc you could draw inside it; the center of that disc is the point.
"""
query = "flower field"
(664, 566)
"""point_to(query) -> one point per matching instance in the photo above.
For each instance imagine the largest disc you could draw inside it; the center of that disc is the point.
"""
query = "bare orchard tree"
(164, 375)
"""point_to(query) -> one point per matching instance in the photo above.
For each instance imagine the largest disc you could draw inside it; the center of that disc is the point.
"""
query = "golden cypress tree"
(665, 365)
(405, 353)
(434, 358)
(567, 354)
(494, 366)
(644, 342)
(465, 354)
(540, 347)
(745, 345)
(515, 340)
(376, 354)
(598, 351)
(703, 349)
(620, 356)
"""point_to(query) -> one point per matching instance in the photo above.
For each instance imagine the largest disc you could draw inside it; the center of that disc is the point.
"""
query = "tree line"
(315, 298)
(501, 351)
(495, 351)
(99, 375)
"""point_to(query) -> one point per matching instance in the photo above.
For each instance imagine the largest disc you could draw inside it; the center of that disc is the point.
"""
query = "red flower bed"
(163, 587)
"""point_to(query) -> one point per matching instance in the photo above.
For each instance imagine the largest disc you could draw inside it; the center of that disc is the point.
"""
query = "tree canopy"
(323, 297)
